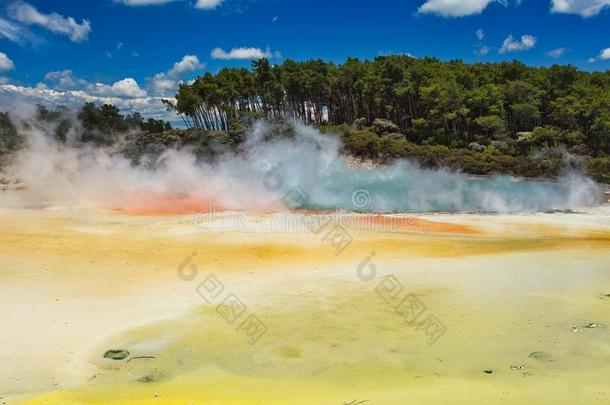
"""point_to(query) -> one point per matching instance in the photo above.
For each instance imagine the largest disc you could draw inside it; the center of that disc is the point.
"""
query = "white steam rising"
(269, 176)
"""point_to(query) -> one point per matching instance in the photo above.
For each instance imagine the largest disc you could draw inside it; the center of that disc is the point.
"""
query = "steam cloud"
(310, 163)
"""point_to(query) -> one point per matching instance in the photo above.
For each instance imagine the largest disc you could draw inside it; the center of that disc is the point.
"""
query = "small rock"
(576, 329)
(593, 325)
(488, 371)
(146, 379)
(517, 368)
(152, 377)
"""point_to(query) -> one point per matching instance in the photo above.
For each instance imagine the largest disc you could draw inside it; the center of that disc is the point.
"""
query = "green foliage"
(491, 151)
(104, 124)
(598, 169)
(449, 103)
(478, 159)
(384, 127)
(546, 136)
(152, 125)
(479, 118)
(491, 125)
(59, 117)
(10, 140)
(525, 116)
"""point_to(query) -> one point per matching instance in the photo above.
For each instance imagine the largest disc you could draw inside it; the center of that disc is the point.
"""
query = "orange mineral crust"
(151, 203)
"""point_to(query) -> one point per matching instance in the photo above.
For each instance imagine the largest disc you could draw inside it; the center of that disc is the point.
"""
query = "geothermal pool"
(292, 307)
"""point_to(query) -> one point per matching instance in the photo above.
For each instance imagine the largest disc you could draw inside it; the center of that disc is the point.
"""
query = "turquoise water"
(309, 172)
(404, 187)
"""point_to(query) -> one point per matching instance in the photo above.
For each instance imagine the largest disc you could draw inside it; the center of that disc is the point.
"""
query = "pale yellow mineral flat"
(521, 302)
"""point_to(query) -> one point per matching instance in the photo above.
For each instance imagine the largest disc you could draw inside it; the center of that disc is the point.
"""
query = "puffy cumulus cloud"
(511, 45)
(556, 53)
(200, 4)
(456, 8)
(127, 87)
(167, 82)
(603, 55)
(480, 34)
(65, 80)
(243, 53)
(583, 8)
(6, 63)
(163, 85)
(27, 14)
(189, 63)
(63, 87)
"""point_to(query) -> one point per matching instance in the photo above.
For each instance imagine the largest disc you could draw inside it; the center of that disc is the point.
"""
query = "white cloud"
(200, 4)
(480, 34)
(127, 87)
(244, 53)
(64, 88)
(208, 4)
(29, 15)
(10, 31)
(484, 50)
(389, 52)
(583, 8)
(65, 80)
(6, 63)
(167, 82)
(456, 8)
(511, 45)
(17, 33)
(556, 53)
(189, 63)
(603, 55)
(147, 106)
(137, 3)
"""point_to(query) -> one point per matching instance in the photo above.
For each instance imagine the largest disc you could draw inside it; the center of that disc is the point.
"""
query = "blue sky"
(134, 52)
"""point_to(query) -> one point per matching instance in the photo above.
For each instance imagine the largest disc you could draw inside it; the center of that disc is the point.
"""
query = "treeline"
(530, 157)
(538, 153)
(102, 124)
(90, 124)
(432, 102)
